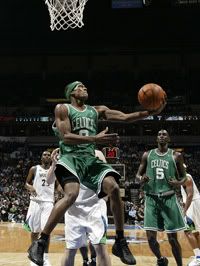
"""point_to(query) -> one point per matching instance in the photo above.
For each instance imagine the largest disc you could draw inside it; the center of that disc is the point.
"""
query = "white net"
(66, 14)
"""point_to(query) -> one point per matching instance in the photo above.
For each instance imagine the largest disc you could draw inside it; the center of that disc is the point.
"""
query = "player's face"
(81, 92)
(163, 137)
(46, 157)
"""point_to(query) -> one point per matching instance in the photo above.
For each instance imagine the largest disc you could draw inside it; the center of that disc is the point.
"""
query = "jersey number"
(159, 173)
(84, 132)
(43, 182)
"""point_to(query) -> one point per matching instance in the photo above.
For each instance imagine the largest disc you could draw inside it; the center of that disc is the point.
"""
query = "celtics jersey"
(160, 168)
(82, 123)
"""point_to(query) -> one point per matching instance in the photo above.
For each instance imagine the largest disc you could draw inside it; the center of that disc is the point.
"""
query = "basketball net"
(66, 14)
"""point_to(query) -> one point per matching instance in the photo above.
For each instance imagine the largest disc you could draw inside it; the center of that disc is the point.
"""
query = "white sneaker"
(33, 264)
(195, 262)
(46, 262)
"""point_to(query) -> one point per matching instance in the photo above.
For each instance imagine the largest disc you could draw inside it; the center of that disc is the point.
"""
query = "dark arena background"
(122, 46)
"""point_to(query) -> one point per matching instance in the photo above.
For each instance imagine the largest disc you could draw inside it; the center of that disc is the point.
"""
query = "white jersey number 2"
(44, 183)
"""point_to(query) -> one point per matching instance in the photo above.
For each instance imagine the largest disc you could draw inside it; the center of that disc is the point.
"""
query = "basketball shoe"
(33, 264)
(195, 262)
(93, 262)
(85, 263)
(36, 251)
(121, 250)
(46, 259)
(46, 262)
(162, 262)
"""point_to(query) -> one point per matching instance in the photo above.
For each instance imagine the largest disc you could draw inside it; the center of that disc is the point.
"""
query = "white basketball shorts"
(80, 228)
(38, 214)
(194, 213)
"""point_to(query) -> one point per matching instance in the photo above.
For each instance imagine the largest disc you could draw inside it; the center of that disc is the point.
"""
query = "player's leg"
(75, 236)
(34, 236)
(102, 177)
(193, 213)
(84, 254)
(174, 222)
(120, 248)
(103, 257)
(70, 186)
(176, 248)
(197, 251)
(197, 235)
(97, 238)
(68, 258)
(193, 239)
(33, 221)
(153, 243)
(93, 254)
(96, 233)
(111, 188)
(153, 222)
(155, 247)
(46, 211)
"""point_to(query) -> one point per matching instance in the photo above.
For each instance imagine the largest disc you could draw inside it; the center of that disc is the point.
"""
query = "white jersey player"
(191, 201)
(86, 219)
(41, 189)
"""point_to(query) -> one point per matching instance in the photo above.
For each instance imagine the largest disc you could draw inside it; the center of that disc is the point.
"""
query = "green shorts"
(88, 169)
(163, 213)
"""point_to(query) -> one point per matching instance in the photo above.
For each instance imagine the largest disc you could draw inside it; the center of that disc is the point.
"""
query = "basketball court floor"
(14, 241)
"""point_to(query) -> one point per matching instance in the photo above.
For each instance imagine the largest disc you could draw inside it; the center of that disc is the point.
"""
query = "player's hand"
(33, 192)
(174, 182)
(143, 179)
(55, 155)
(104, 138)
(159, 110)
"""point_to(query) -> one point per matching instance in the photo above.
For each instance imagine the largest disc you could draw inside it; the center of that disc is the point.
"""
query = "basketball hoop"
(66, 14)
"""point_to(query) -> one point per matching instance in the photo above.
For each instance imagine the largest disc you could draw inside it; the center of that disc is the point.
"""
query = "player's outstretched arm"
(115, 115)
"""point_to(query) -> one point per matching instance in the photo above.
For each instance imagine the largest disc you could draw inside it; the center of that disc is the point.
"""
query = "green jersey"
(160, 168)
(82, 123)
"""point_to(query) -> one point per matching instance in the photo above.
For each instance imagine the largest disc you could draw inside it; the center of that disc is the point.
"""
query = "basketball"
(151, 96)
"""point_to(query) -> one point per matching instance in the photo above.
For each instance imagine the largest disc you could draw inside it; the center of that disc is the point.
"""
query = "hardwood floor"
(14, 241)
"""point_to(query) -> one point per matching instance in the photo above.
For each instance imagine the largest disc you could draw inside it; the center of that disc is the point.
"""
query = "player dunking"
(41, 199)
(162, 211)
(77, 130)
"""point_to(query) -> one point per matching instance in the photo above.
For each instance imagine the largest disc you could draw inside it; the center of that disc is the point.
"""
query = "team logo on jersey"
(42, 175)
(83, 122)
(160, 163)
